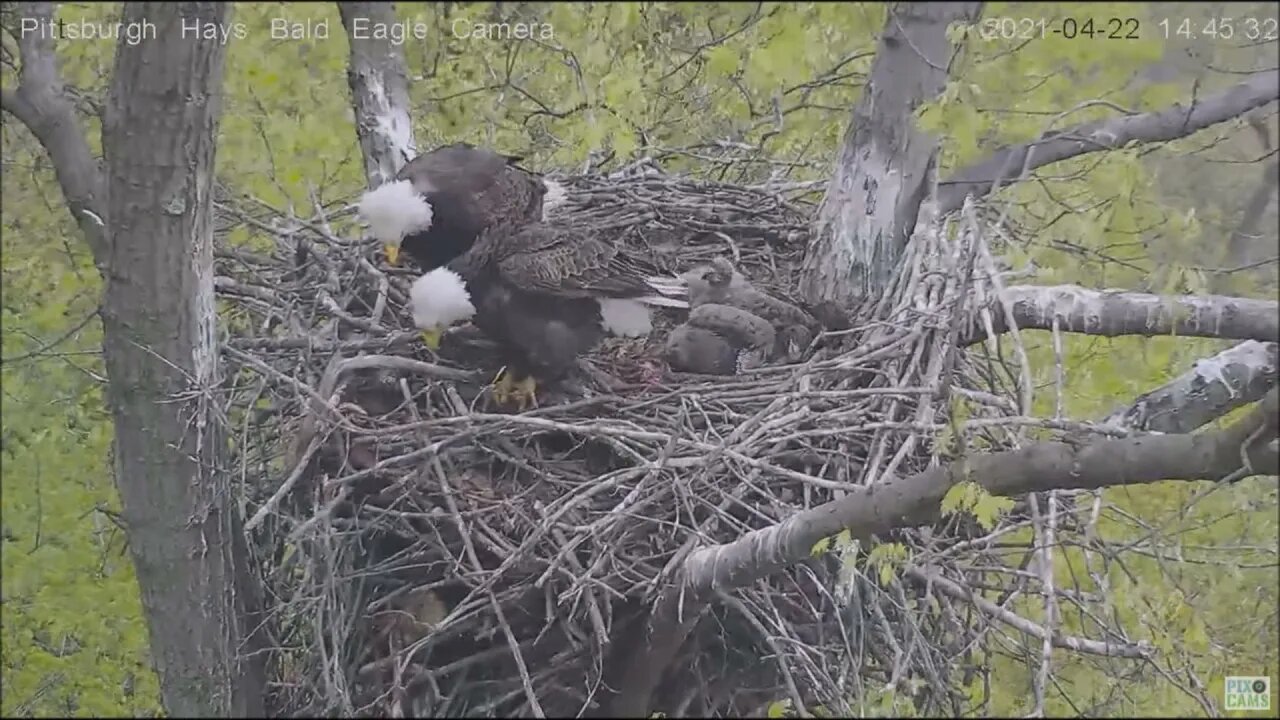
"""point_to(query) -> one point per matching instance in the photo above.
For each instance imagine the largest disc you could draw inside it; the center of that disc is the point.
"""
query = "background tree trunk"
(880, 175)
(161, 354)
(379, 83)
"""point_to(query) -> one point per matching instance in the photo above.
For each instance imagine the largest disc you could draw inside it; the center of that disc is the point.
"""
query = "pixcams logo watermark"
(1247, 693)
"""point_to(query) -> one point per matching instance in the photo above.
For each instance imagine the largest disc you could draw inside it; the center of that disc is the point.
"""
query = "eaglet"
(720, 283)
(719, 340)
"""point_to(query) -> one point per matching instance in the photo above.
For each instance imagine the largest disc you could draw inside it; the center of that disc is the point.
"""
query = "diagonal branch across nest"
(430, 555)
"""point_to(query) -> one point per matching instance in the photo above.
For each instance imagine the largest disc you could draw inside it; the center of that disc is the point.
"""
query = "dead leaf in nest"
(414, 615)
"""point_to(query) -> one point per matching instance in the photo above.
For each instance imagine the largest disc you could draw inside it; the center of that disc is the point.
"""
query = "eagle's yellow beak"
(393, 253)
(431, 338)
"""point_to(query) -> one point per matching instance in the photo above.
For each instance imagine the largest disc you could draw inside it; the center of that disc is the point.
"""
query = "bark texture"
(161, 354)
(379, 83)
(1111, 313)
(1040, 467)
(145, 214)
(1215, 386)
(881, 173)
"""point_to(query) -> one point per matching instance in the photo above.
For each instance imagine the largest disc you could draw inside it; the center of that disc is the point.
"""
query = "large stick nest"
(428, 554)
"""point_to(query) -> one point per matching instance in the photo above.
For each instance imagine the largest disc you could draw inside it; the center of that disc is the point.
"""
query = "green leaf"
(722, 60)
(887, 558)
(779, 708)
(886, 574)
(958, 498)
(988, 508)
(820, 547)
(1196, 636)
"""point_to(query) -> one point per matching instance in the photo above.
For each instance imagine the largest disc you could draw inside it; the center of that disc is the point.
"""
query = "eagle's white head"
(395, 210)
(438, 300)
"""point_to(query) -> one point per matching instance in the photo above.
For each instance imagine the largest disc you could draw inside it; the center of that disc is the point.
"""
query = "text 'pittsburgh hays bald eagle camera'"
(546, 292)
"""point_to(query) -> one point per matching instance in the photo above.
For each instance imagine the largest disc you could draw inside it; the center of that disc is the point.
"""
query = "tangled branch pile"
(427, 554)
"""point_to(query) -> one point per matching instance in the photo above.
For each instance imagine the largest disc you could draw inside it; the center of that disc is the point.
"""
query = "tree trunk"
(379, 84)
(185, 532)
(880, 175)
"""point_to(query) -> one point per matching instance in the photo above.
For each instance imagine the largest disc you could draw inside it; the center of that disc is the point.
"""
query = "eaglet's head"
(713, 281)
(394, 211)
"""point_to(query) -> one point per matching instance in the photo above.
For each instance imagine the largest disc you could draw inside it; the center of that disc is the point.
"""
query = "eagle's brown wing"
(570, 262)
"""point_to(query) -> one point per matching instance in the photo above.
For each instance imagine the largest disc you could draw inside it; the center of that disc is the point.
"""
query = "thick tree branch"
(41, 104)
(379, 83)
(1041, 467)
(917, 500)
(1233, 378)
(1009, 163)
(1111, 313)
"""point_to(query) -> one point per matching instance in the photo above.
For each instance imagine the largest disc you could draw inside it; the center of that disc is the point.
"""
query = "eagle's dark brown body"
(470, 189)
(538, 291)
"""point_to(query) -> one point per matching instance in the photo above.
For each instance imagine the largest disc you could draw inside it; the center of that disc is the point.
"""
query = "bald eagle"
(546, 293)
(442, 200)
(719, 340)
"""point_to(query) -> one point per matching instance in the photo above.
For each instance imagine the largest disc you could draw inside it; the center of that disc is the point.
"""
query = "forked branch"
(41, 104)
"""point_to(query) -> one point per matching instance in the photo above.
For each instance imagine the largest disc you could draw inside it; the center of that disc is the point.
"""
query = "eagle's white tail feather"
(626, 318)
(661, 301)
(555, 196)
(439, 299)
(395, 210)
(671, 286)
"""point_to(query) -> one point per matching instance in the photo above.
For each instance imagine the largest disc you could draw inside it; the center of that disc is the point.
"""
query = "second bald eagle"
(442, 200)
(546, 293)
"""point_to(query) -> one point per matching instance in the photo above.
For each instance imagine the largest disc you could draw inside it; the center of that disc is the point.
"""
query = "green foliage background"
(635, 79)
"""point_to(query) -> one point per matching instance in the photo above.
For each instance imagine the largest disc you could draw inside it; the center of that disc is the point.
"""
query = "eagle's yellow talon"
(526, 394)
(521, 393)
(393, 253)
(431, 338)
(501, 387)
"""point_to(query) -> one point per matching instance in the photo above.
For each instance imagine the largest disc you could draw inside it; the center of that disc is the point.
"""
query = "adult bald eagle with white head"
(441, 200)
(546, 292)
